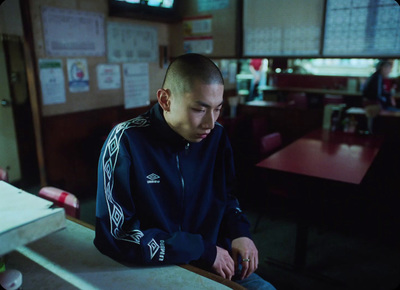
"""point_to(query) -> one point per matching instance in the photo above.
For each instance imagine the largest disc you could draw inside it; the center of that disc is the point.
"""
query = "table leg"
(300, 253)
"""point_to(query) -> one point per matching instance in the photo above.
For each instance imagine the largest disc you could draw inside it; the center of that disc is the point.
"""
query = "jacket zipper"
(183, 186)
(182, 181)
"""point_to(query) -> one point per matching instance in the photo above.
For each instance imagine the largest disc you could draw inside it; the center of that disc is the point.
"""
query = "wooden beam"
(33, 85)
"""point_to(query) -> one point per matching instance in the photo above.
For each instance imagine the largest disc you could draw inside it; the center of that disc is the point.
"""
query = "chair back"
(270, 143)
(3, 174)
(333, 99)
(63, 199)
(297, 100)
(259, 127)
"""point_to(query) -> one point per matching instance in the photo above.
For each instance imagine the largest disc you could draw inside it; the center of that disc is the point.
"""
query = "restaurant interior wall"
(69, 129)
(73, 132)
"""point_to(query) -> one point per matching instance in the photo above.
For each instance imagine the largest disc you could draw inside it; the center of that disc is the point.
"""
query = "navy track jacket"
(162, 200)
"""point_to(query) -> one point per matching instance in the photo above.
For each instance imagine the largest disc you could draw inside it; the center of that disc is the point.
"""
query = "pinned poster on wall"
(136, 85)
(108, 76)
(198, 34)
(78, 75)
(52, 81)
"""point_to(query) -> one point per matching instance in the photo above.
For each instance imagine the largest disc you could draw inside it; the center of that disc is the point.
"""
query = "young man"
(166, 179)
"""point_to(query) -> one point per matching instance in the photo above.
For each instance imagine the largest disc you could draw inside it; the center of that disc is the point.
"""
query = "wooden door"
(9, 158)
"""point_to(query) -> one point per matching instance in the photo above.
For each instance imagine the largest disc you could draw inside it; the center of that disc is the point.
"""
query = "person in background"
(377, 90)
(258, 69)
(166, 182)
(377, 93)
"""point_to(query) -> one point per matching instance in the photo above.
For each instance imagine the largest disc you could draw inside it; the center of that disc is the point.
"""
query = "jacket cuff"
(207, 259)
(241, 232)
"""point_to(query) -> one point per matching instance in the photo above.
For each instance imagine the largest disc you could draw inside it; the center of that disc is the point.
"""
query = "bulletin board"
(282, 28)
(93, 97)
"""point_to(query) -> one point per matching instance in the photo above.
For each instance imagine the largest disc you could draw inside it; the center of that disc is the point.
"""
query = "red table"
(330, 155)
(333, 156)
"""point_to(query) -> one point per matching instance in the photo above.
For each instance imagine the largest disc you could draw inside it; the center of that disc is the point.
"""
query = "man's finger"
(252, 268)
(245, 267)
(230, 271)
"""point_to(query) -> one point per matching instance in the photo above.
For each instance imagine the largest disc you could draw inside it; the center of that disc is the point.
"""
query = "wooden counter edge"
(212, 276)
(191, 268)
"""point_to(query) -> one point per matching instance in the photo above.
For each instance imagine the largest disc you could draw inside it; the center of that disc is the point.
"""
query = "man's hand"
(223, 264)
(244, 249)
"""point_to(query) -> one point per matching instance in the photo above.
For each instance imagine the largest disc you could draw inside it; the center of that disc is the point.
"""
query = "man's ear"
(164, 99)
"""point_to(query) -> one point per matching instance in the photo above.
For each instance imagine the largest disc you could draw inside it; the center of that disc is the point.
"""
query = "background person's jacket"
(162, 200)
(375, 90)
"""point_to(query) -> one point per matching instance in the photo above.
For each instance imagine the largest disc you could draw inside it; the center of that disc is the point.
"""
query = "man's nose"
(209, 121)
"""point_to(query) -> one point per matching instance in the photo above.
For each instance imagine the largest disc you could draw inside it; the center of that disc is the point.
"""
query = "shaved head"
(189, 68)
(192, 96)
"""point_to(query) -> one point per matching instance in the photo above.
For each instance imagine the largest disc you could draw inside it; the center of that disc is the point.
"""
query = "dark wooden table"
(329, 155)
(323, 155)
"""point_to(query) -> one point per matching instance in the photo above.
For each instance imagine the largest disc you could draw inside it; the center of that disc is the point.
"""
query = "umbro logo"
(153, 178)
(154, 247)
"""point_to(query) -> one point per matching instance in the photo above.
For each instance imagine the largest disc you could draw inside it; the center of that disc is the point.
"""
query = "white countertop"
(68, 259)
(24, 218)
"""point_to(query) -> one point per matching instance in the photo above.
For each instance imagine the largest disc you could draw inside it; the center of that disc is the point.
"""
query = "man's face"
(193, 115)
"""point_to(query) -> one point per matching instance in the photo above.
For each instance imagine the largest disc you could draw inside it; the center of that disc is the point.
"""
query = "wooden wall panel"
(72, 145)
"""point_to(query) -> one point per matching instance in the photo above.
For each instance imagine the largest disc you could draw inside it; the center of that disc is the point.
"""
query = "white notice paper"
(52, 81)
(136, 85)
(108, 76)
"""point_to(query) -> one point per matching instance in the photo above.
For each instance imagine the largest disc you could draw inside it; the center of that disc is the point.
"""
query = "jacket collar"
(164, 131)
